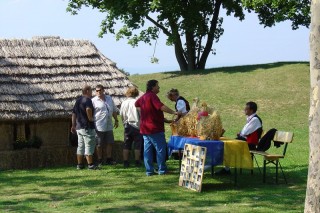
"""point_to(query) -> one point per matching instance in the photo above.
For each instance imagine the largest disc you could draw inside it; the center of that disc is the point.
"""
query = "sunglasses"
(98, 90)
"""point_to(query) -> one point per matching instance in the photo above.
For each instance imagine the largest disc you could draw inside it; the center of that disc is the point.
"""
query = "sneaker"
(80, 166)
(138, 163)
(126, 164)
(111, 162)
(100, 163)
(223, 172)
(92, 167)
(165, 173)
(150, 174)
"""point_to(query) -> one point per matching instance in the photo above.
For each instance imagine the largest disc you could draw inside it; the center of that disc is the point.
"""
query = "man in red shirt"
(152, 127)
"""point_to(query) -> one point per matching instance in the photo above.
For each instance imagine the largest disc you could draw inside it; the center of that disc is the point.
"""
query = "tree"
(191, 26)
(312, 202)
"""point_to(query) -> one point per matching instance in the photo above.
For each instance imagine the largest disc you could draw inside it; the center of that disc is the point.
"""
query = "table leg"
(264, 170)
(277, 172)
(179, 155)
(212, 171)
(235, 176)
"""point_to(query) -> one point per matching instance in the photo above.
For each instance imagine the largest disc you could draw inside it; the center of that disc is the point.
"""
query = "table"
(228, 152)
(236, 154)
(214, 155)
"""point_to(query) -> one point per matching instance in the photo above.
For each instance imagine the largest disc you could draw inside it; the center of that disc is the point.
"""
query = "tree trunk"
(213, 27)
(180, 57)
(191, 55)
(178, 48)
(312, 202)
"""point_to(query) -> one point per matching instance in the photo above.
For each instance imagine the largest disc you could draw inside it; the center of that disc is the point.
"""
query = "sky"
(242, 43)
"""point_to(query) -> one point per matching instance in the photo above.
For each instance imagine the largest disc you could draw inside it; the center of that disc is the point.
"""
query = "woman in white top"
(182, 105)
(131, 121)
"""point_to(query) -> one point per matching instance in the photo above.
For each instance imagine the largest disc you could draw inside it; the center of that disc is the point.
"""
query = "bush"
(34, 142)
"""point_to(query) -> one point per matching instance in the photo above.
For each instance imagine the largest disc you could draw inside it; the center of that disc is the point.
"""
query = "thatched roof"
(41, 78)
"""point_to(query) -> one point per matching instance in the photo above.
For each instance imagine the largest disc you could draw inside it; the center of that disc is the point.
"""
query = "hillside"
(281, 91)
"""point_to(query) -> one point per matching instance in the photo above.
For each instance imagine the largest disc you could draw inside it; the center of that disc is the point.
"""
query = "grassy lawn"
(282, 93)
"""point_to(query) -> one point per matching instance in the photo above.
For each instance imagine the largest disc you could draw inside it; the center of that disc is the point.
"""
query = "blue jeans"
(158, 141)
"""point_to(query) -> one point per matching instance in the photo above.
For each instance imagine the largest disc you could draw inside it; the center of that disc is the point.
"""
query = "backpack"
(265, 141)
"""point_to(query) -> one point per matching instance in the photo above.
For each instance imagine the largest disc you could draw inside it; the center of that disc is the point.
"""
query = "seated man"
(182, 105)
(252, 130)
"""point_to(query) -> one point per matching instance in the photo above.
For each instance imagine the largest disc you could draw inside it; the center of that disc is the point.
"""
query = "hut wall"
(6, 137)
(46, 157)
(53, 132)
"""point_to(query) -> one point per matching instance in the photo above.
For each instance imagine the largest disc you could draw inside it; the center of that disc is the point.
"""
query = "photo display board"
(192, 167)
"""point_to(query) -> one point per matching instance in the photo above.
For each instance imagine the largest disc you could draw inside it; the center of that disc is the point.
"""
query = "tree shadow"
(232, 70)
(137, 193)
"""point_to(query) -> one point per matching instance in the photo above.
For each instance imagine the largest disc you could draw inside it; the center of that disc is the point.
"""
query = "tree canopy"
(191, 26)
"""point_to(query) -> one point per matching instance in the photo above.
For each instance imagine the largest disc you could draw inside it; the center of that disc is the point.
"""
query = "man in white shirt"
(131, 121)
(182, 105)
(252, 130)
(104, 110)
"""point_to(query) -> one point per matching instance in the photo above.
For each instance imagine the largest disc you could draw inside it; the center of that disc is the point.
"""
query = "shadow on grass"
(115, 189)
(232, 70)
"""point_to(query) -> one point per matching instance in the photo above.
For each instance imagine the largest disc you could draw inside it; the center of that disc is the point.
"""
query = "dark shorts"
(131, 135)
(102, 138)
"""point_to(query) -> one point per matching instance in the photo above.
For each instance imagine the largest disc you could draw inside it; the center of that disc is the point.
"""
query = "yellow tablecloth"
(236, 154)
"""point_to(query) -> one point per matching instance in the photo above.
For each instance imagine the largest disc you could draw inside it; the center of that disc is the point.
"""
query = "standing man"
(131, 121)
(104, 110)
(82, 124)
(182, 105)
(152, 127)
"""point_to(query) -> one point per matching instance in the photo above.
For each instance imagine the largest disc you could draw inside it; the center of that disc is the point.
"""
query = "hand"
(73, 130)
(116, 124)
(223, 131)
(178, 113)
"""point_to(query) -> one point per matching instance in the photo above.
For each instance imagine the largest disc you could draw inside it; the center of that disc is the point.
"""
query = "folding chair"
(280, 136)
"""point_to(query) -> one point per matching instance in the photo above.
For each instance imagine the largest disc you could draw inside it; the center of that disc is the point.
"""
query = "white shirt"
(103, 110)
(129, 113)
(253, 123)
(181, 106)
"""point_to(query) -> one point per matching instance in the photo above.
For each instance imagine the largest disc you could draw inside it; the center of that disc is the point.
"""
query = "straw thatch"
(41, 78)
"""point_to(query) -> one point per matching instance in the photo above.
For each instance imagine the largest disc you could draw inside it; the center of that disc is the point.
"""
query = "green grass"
(282, 93)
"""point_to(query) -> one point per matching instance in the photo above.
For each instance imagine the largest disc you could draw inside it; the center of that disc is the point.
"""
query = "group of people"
(92, 122)
(143, 120)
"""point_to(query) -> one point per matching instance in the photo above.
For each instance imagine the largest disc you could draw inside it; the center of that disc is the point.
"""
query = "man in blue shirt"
(83, 126)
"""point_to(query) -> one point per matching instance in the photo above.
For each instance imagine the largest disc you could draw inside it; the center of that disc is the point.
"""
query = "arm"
(182, 108)
(73, 121)
(89, 114)
(166, 109)
(121, 113)
(252, 126)
(116, 121)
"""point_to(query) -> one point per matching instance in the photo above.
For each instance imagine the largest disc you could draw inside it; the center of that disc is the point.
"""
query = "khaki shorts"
(103, 138)
(86, 141)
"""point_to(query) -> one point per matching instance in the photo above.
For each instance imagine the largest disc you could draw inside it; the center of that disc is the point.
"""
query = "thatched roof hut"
(40, 78)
